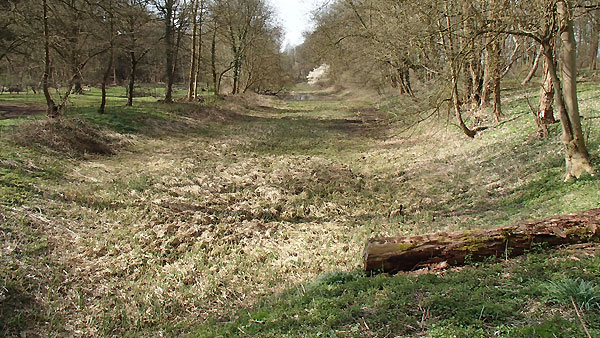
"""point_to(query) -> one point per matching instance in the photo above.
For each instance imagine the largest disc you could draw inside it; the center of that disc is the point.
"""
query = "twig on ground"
(580, 318)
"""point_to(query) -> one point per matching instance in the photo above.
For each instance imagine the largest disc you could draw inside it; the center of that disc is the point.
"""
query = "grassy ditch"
(198, 214)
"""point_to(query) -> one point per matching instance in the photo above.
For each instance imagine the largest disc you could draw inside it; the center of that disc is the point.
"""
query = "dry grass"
(69, 136)
(175, 230)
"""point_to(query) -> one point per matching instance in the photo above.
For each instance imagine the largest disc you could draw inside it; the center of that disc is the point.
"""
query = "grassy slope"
(206, 214)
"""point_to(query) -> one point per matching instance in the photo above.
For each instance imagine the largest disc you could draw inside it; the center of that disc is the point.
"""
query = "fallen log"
(394, 254)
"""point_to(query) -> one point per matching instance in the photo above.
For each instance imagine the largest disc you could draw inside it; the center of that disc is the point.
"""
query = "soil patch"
(13, 111)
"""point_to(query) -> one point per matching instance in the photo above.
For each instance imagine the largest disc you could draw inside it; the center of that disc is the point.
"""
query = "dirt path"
(12, 110)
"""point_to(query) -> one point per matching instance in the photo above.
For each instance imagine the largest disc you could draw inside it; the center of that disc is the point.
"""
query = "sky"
(295, 17)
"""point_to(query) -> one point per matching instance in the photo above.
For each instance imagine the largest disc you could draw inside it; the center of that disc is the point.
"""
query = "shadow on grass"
(17, 310)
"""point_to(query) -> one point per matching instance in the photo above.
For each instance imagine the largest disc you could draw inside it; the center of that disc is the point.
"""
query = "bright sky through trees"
(295, 16)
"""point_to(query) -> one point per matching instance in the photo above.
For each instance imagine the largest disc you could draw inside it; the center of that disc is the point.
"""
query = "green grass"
(487, 300)
(250, 214)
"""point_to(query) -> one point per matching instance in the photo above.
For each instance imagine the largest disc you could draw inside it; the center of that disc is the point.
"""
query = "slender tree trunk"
(193, 58)
(545, 113)
(405, 87)
(180, 33)
(52, 109)
(511, 59)
(114, 71)
(594, 37)
(449, 41)
(131, 78)
(495, 71)
(105, 78)
(199, 61)
(487, 76)
(576, 154)
(472, 65)
(476, 78)
(455, 101)
(77, 87)
(236, 75)
(213, 60)
(169, 49)
(109, 67)
(534, 67)
(558, 93)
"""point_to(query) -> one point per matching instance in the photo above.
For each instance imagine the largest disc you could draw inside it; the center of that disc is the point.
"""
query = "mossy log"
(393, 254)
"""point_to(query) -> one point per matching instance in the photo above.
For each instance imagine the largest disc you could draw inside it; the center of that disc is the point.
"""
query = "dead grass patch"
(72, 137)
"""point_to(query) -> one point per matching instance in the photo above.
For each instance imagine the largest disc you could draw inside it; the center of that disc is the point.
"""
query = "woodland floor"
(248, 217)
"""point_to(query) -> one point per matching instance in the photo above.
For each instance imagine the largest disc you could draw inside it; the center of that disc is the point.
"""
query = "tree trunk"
(405, 86)
(109, 67)
(394, 254)
(180, 33)
(213, 60)
(115, 82)
(77, 87)
(191, 95)
(199, 60)
(52, 109)
(454, 74)
(545, 113)
(105, 78)
(498, 115)
(169, 49)
(487, 76)
(131, 84)
(495, 61)
(534, 67)
(476, 80)
(470, 133)
(576, 154)
(594, 37)
(237, 65)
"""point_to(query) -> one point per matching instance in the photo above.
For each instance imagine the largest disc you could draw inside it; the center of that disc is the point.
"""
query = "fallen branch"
(580, 318)
(393, 254)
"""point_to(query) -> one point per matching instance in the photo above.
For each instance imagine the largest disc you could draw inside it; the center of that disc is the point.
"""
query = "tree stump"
(394, 254)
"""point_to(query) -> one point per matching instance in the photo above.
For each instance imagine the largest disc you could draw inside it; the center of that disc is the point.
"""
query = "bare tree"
(175, 20)
(576, 154)
(52, 110)
(139, 41)
(109, 21)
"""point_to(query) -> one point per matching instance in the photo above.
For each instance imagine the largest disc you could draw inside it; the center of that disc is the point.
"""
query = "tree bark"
(545, 113)
(169, 49)
(449, 41)
(594, 37)
(193, 58)
(131, 84)
(485, 88)
(213, 60)
(394, 254)
(105, 78)
(534, 67)
(494, 72)
(52, 109)
(455, 102)
(476, 80)
(576, 154)
(109, 67)
(199, 60)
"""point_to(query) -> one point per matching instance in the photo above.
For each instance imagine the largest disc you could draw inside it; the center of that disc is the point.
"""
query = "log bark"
(394, 254)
